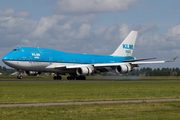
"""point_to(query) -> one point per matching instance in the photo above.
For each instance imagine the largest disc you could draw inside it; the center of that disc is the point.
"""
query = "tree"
(0, 69)
(4, 69)
(178, 72)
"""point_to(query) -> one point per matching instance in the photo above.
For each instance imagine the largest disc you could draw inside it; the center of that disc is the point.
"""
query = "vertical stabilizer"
(127, 46)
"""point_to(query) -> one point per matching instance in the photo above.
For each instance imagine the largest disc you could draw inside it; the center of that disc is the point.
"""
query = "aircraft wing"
(133, 62)
(103, 65)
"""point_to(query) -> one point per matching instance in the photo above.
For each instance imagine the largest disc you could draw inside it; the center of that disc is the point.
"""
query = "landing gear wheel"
(20, 74)
(19, 77)
(81, 78)
(58, 77)
(55, 78)
(71, 78)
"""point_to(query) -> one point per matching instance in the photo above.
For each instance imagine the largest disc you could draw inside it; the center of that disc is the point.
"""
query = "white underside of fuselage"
(38, 66)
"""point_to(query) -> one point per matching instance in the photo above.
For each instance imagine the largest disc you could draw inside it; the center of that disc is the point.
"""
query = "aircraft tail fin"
(127, 46)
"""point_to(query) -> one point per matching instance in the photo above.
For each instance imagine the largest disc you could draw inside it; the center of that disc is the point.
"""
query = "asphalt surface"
(89, 80)
(83, 103)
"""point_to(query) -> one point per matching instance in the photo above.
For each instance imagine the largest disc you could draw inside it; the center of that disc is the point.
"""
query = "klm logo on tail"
(126, 46)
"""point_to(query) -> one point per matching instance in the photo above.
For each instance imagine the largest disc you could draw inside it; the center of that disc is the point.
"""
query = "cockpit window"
(16, 50)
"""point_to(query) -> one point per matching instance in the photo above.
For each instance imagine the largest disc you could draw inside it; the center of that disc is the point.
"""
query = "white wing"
(134, 63)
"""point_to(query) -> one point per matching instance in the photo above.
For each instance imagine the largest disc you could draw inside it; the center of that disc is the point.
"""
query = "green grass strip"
(36, 92)
(91, 77)
(125, 111)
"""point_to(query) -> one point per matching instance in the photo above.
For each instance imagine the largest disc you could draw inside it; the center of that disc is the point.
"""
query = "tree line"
(6, 71)
(157, 71)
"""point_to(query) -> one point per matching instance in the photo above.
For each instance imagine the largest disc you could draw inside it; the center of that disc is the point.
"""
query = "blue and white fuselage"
(38, 59)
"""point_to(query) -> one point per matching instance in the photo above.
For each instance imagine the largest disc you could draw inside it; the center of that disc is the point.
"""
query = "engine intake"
(125, 68)
(84, 71)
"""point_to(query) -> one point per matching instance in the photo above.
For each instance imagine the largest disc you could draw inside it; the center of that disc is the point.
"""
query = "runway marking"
(84, 103)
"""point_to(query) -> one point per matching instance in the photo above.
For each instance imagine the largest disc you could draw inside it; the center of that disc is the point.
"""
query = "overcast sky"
(92, 26)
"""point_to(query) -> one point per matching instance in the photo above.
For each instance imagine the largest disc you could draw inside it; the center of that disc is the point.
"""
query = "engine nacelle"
(32, 73)
(125, 68)
(84, 71)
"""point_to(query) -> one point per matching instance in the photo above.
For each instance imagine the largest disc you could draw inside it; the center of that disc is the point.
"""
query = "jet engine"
(84, 71)
(125, 68)
(32, 73)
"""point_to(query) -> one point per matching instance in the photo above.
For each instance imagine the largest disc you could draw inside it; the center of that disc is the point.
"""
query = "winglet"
(172, 60)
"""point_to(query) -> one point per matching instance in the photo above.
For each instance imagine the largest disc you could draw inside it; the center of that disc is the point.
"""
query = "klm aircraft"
(76, 65)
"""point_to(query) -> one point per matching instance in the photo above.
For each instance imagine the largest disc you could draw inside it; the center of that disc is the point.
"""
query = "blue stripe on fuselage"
(49, 55)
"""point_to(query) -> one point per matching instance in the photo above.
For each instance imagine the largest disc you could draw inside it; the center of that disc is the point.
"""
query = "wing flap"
(78, 66)
(107, 64)
(55, 66)
(70, 66)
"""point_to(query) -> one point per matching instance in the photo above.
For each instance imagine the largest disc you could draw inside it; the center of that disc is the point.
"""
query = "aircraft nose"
(8, 62)
(5, 58)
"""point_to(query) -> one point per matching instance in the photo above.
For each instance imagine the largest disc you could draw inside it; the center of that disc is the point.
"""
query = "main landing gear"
(71, 77)
(81, 78)
(74, 77)
(58, 77)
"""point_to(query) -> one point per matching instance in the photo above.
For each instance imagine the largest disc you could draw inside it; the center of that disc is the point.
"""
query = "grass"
(27, 77)
(35, 92)
(125, 111)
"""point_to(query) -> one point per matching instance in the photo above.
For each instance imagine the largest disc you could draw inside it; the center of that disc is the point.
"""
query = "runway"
(88, 103)
(89, 80)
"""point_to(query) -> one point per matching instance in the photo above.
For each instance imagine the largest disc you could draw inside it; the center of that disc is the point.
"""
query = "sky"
(92, 26)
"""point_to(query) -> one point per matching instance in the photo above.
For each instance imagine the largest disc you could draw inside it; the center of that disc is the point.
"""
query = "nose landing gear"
(20, 74)
(19, 77)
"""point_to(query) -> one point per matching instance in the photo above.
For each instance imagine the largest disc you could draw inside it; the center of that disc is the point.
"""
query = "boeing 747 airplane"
(76, 65)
